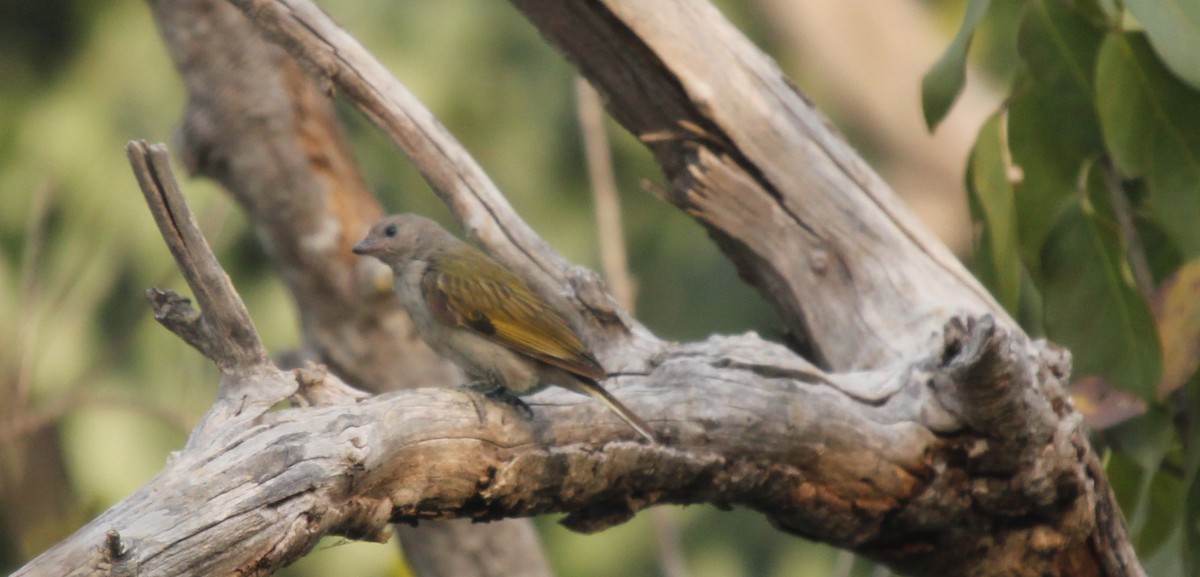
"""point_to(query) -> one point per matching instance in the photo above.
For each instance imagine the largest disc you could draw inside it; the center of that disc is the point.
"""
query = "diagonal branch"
(337, 58)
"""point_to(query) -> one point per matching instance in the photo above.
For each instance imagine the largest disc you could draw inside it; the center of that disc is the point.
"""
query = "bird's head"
(401, 238)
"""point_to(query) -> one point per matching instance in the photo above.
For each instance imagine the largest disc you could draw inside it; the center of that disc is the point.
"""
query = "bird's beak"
(365, 246)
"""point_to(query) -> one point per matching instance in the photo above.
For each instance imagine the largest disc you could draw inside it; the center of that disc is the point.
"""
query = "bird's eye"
(390, 231)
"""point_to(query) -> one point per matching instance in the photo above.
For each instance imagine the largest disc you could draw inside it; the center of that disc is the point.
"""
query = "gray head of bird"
(401, 238)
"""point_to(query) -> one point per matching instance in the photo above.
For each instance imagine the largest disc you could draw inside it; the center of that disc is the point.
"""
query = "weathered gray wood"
(745, 427)
(222, 331)
(747, 423)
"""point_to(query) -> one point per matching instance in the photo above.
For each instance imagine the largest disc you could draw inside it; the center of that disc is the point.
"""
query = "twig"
(1135, 251)
(844, 564)
(35, 237)
(222, 330)
(604, 194)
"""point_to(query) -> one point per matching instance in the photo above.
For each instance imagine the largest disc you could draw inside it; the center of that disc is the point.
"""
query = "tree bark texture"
(927, 431)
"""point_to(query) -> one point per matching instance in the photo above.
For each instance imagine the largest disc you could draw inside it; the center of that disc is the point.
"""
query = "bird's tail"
(598, 392)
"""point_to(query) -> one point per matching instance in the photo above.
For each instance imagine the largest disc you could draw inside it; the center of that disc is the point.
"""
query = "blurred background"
(94, 394)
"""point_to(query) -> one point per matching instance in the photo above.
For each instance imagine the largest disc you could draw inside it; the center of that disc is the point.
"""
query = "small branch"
(175, 312)
(222, 331)
(35, 238)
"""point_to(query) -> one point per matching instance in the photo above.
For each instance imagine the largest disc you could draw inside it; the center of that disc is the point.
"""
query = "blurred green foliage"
(1085, 187)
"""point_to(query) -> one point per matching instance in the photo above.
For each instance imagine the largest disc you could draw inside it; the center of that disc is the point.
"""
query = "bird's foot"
(503, 395)
(497, 393)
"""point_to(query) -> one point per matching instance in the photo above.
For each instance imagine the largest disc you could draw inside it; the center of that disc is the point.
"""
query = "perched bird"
(481, 316)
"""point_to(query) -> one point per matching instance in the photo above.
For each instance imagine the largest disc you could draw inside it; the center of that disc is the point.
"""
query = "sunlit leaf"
(991, 199)
(1151, 125)
(1173, 27)
(1177, 313)
(1091, 305)
(944, 82)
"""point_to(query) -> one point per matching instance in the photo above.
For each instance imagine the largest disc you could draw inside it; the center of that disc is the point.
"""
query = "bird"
(483, 317)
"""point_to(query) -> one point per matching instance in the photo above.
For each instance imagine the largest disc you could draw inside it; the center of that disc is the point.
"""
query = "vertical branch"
(222, 330)
(604, 195)
(35, 237)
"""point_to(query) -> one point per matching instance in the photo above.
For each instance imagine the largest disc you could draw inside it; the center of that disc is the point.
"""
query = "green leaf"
(1090, 303)
(1159, 542)
(1173, 27)
(1151, 123)
(1052, 123)
(944, 82)
(990, 194)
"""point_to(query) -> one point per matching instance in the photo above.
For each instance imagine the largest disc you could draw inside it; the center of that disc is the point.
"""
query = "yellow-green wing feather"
(478, 293)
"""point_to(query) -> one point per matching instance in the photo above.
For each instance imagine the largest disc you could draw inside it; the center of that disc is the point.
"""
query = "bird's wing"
(483, 296)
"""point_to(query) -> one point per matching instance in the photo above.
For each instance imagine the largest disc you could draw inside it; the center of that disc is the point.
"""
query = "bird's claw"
(498, 393)
(503, 395)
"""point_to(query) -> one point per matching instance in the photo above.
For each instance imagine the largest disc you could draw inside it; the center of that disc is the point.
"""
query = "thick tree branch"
(762, 438)
(796, 209)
